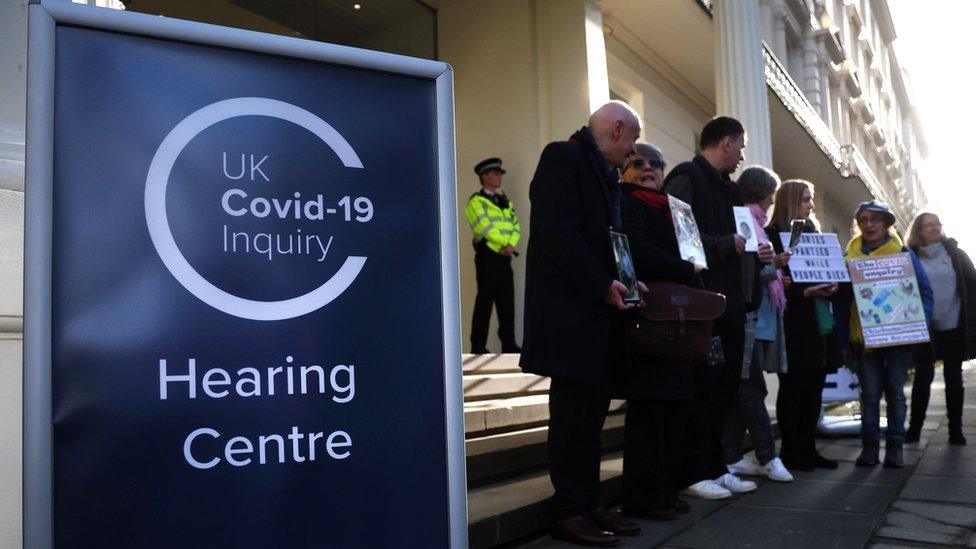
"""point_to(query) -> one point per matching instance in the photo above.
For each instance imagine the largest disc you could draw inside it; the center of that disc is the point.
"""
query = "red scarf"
(657, 200)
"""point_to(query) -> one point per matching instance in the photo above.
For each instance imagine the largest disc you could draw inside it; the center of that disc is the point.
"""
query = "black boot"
(914, 433)
(894, 456)
(869, 454)
(819, 461)
(954, 400)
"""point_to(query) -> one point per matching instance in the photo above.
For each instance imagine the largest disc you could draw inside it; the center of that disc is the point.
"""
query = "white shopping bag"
(841, 386)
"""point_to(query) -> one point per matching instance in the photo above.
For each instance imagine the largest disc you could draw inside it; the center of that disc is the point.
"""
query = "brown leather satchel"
(676, 321)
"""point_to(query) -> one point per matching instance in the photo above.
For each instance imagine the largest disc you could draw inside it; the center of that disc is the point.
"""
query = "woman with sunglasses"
(884, 369)
(953, 280)
(657, 388)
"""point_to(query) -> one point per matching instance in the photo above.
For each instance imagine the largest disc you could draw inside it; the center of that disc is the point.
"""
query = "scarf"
(583, 138)
(657, 200)
(777, 293)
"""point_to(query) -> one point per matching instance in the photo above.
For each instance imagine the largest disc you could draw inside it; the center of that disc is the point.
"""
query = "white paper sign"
(745, 226)
(817, 259)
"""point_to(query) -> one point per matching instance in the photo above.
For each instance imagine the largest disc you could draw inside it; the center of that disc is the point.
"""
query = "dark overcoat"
(655, 249)
(805, 347)
(569, 330)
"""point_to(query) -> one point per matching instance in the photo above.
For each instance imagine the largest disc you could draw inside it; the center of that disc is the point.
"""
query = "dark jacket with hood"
(570, 331)
(966, 290)
(711, 196)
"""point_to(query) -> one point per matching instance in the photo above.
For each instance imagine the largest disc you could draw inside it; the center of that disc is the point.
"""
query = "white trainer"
(706, 489)
(735, 484)
(746, 466)
(775, 470)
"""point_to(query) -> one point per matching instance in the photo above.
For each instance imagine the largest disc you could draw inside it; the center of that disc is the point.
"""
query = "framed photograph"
(686, 230)
(625, 266)
(745, 226)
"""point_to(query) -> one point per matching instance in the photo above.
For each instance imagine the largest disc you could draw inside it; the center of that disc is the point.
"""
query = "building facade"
(816, 82)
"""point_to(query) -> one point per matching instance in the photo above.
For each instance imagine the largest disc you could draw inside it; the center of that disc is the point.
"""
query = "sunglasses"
(639, 163)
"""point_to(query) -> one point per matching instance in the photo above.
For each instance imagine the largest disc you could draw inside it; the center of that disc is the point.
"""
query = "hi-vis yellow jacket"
(499, 227)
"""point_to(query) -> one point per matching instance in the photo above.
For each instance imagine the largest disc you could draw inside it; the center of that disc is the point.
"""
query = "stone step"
(516, 508)
(490, 364)
(495, 456)
(485, 417)
(494, 386)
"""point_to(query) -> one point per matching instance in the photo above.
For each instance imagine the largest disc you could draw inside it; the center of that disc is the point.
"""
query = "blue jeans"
(884, 370)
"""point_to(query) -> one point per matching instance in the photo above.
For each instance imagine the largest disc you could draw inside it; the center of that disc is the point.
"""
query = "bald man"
(574, 308)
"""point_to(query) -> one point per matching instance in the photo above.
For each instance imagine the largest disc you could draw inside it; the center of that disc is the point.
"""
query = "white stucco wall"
(525, 74)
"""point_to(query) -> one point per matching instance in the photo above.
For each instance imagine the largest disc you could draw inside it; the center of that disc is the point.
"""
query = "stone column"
(822, 68)
(740, 79)
(766, 10)
(811, 73)
(780, 49)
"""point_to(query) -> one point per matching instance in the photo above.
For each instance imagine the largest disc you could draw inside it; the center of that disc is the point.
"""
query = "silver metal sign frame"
(44, 16)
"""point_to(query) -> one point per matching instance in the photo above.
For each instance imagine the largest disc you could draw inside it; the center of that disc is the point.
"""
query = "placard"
(686, 229)
(889, 304)
(745, 226)
(817, 259)
(222, 348)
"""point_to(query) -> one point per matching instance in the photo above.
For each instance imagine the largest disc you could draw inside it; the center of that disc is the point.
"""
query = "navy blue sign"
(247, 325)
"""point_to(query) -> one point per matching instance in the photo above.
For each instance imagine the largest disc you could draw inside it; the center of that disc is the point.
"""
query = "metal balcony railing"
(847, 159)
(779, 80)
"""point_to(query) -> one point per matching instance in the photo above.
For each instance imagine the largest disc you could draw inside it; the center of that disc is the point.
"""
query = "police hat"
(488, 164)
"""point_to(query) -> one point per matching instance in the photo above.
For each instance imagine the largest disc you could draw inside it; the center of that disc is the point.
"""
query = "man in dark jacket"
(704, 183)
(573, 326)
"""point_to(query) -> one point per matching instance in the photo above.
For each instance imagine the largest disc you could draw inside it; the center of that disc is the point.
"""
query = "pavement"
(929, 503)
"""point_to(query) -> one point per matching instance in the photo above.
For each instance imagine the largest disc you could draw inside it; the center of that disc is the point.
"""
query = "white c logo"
(162, 237)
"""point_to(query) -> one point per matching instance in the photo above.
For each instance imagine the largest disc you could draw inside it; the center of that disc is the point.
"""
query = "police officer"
(496, 233)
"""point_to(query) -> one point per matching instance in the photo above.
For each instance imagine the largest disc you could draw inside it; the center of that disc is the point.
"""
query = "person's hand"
(828, 290)
(782, 259)
(766, 253)
(787, 282)
(615, 296)
(642, 288)
(740, 244)
(814, 291)
(507, 250)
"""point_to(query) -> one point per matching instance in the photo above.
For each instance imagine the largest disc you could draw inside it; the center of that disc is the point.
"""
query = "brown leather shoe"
(612, 522)
(581, 531)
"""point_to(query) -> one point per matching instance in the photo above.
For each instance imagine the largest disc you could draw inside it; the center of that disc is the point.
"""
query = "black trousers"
(577, 412)
(716, 391)
(950, 346)
(496, 287)
(798, 405)
(653, 437)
